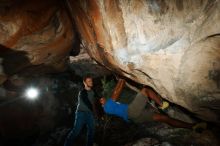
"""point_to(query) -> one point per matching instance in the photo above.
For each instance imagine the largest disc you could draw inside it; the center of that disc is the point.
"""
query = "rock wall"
(172, 46)
(35, 36)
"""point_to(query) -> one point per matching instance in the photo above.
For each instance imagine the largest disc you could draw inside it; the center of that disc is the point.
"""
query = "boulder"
(172, 46)
(35, 36)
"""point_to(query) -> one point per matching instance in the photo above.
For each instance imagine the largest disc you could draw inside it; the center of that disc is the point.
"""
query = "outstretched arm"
(118, 89)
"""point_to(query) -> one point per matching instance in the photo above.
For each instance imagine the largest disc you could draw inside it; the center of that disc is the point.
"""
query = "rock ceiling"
(172, 45)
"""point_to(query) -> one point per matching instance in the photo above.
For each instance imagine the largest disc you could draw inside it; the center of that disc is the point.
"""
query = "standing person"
(139, 111)
(84, 114)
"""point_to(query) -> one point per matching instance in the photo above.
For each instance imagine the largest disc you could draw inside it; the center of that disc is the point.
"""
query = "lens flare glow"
(32, 93)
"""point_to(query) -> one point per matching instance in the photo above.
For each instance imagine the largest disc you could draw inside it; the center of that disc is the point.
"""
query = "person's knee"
(144, 91)
(147, 91)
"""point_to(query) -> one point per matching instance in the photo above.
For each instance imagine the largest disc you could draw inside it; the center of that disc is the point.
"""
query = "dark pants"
(81, 119)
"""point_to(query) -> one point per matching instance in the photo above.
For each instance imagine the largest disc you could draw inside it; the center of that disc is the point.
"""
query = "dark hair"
(86, 77)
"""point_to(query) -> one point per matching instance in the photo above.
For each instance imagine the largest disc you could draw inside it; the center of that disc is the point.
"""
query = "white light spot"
(32, 93)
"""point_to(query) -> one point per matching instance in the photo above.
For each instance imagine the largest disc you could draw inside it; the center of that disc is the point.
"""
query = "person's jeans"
(81, 119)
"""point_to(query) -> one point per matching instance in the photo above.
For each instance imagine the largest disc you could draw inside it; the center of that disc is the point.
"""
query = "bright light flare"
(32, 93)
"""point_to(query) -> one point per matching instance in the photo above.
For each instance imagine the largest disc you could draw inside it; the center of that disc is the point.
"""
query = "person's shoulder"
(110, 100)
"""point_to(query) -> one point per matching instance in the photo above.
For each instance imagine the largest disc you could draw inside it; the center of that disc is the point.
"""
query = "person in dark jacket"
(84, 115)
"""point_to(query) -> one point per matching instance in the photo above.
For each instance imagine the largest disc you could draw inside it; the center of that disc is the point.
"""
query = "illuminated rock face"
(35, 36)
(172, 46)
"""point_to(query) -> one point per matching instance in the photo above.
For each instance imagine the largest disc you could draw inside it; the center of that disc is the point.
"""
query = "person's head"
(88, 82)
(102, 100)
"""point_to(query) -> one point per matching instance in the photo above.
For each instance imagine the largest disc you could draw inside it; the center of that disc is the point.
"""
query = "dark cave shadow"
(13, 61)
(17, 62)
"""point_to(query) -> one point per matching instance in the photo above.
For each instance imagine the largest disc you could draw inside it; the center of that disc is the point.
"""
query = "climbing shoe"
(164, 106)
(200, 127)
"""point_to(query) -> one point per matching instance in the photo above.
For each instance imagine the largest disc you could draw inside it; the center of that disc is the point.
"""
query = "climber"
(139, 111)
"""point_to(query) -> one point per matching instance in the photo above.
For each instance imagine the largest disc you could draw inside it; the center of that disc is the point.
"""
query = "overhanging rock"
(172, 46)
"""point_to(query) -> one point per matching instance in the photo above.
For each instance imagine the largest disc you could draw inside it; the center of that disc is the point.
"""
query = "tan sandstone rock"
(35, 36)
(172, 46)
